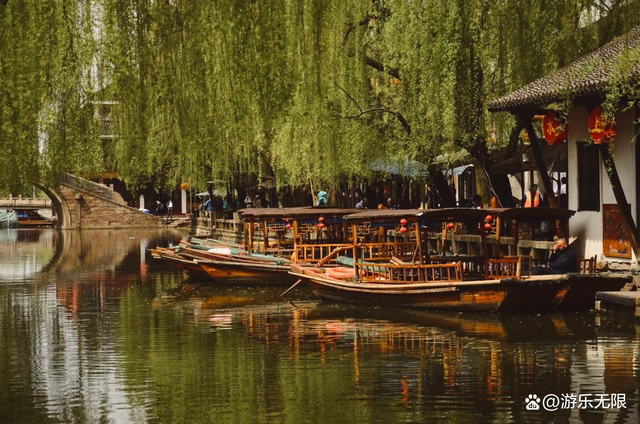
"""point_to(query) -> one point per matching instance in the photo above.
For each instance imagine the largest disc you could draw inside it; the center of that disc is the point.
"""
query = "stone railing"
(88, 186)
(16, 202)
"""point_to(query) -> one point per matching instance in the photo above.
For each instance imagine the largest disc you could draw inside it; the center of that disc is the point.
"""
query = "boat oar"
(291, 288)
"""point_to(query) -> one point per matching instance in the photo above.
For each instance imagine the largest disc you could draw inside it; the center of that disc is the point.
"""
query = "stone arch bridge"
(83, 204)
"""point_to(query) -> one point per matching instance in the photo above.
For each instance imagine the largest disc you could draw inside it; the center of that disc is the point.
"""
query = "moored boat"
(578, 291)
(232, 272)
(485, 280)
(274, 238)
(436, 294)
(30, 217)
(8, 219)
(169, 255)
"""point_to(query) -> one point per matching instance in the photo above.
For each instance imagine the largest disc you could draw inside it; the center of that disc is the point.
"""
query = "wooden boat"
(458, 282)
(247, 273)
(169, 255)
(199, 264)
(578, 291)
(8, 219)
(447, 294)
(274, 238)
(30, 217)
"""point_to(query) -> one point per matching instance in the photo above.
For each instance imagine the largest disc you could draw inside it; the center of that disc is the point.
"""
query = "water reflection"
(25, 252)
(455, 363)
(99, 331)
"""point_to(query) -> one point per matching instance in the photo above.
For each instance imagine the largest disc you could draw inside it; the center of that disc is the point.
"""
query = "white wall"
(586, 227)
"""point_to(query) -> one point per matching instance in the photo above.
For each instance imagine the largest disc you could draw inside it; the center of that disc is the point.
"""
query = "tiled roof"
(585, 77)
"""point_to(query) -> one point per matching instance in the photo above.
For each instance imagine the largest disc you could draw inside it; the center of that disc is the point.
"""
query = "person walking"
(159, 208)
(169, 210)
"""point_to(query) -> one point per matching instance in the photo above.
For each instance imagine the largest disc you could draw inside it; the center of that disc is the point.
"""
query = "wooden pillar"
(265, 231)
(250, 238)
(296, 246)
(418, 242)
(542, 168)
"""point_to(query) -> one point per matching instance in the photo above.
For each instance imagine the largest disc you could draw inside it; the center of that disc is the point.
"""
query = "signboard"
(615, 237)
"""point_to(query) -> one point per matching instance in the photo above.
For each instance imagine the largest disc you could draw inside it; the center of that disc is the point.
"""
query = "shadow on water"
(32, 254)
(553, 326)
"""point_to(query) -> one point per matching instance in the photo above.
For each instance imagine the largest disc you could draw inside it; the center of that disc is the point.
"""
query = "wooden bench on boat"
(472, 266)
(515, 267)
(398, 271)
(587, 265)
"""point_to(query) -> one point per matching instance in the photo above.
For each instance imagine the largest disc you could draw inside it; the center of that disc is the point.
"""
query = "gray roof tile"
(584, 78)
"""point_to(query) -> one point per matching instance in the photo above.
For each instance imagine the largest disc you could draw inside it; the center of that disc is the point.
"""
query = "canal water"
(93, 329)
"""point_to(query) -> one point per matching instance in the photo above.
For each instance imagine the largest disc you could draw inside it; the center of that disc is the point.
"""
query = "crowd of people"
(382, 199)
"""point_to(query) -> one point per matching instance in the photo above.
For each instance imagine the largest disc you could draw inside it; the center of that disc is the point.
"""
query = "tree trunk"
(442, 186)
(621, 199)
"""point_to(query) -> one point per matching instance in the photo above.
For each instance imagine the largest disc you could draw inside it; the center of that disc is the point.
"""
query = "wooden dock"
(620, 301)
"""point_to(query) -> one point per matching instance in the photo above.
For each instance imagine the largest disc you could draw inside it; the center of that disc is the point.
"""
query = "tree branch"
(380, 67)
(349, 96)
(398, 115)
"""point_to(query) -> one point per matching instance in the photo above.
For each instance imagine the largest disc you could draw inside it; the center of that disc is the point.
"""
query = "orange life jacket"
(536, 200)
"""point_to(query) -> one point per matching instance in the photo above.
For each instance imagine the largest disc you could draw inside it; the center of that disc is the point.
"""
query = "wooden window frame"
(588, 163)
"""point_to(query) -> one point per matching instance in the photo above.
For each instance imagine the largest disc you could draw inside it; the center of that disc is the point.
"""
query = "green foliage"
(300, 90)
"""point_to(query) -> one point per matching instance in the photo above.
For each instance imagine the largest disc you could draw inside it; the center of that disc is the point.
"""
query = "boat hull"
(479, 296)
(578, 291)
(445, 298)
(191, 268)
(242, 273)
(535, 294)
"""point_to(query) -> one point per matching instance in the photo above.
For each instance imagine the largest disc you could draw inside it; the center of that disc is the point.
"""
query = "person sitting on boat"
(561, 261)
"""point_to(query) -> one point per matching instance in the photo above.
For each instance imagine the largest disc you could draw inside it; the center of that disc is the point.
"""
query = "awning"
(206, 193)
(457, 170)
(399, 166)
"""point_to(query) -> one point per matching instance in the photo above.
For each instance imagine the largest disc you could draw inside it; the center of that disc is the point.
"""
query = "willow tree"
(450, 56)
(45, 85)
(296, 90)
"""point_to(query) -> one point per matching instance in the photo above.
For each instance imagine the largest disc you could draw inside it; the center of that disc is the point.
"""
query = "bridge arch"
(83, 204)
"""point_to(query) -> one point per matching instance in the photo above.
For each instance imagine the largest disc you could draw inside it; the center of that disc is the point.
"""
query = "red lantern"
(321, 219)
(403, 221)
(403, 230)
(450, 225)
(288, 226)
(601, 130)
(487, 226)
(488, 218)
(321, 225)
(555, 130)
